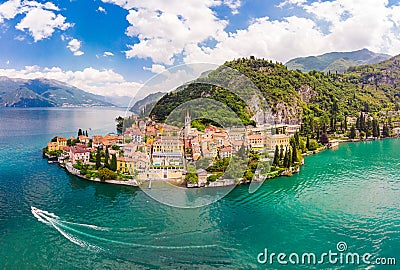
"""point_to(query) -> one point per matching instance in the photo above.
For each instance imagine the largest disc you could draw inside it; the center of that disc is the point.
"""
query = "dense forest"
(320, 101)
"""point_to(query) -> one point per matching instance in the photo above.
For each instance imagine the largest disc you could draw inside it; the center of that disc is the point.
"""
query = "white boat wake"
(62, 227)
(54, 221)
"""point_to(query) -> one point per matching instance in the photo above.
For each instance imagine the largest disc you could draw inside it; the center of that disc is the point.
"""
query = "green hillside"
(149, 101)
(320, 101)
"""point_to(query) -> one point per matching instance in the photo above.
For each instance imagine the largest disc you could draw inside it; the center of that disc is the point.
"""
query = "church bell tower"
(187, 124)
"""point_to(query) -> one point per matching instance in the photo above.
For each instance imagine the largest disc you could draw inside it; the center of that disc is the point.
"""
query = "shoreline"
(71, 170)
(287, 173)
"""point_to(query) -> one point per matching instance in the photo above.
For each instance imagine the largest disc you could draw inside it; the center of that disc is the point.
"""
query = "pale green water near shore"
(351, 195)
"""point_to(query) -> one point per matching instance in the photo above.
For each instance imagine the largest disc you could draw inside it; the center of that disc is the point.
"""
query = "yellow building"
(57, 145)
(61, 141)
(277, 140)
(168, 144)
(126, 165)
(131, 165)
(52, 146)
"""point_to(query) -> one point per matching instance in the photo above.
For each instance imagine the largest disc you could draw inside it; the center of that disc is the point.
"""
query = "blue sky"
(111, 47)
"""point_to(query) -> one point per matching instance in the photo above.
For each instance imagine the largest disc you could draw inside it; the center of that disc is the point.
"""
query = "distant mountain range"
(336, 61)
(45, 93)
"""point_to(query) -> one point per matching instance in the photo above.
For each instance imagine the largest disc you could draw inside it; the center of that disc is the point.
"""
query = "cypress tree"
(361, 122)
(368, 128)
(106, 157)
(281, 153)
(113, 164)
(242, 151)
(98, 158)
(352, 134)
(292, 142)
(286, 159)
(378, 129)
(364, 124)
(308, 143)
(385, 131)
(358, 123)
(375, 128)
(276, 156)
(79, 132)
(297, 139)
(294, 155)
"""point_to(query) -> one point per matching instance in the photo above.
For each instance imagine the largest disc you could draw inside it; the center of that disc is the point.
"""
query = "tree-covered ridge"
(172, 100)
(149, 101)
(320, 101)
(381, 81)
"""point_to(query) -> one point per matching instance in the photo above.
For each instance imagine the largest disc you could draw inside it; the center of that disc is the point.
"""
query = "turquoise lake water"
(349, 195)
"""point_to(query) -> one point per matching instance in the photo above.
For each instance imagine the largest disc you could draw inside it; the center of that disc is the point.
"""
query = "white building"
(79, 153)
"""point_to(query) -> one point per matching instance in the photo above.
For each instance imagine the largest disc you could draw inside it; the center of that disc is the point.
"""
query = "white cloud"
(291, 2)
(280, 40)
(168, 31)
(74, 46)
(103, 82)
(105, 54)
(166, 28)
(9, 10)
(233, 5)
(155, 68)
(102, 10)
(340, 25)
(50, 6)
(33, 68)
(351, 25)
(40, 19)
(356, 24)
(41, 23)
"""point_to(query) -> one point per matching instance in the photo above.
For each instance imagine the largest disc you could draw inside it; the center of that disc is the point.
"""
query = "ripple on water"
(350, 195)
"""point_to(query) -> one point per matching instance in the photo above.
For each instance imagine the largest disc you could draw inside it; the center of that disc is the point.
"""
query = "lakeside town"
(186, 156)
